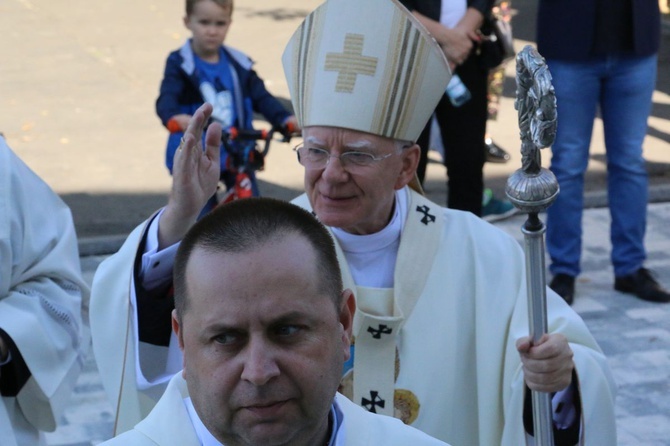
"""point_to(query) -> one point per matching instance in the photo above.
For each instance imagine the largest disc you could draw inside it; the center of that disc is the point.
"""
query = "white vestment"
(43, 300)
(169, 423)
(457, 308)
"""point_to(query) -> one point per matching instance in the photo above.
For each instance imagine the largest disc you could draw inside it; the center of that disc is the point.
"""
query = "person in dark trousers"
(455, 25)
(602, 56)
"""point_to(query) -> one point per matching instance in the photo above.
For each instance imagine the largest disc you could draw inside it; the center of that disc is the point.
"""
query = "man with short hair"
(265, 326)
(441, 326)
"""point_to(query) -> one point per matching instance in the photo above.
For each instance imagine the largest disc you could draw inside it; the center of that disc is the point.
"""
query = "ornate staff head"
(533, 188)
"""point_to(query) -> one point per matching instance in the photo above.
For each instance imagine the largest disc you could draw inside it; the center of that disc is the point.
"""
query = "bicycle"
(243, 158)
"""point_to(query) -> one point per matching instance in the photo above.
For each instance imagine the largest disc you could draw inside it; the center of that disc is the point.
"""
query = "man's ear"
(177, 328)
(347, 311)
(410, 162)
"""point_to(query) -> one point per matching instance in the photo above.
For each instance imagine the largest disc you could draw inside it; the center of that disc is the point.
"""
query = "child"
(204, 70)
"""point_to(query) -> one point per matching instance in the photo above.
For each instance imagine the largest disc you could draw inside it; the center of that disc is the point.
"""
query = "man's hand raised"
(195, 175)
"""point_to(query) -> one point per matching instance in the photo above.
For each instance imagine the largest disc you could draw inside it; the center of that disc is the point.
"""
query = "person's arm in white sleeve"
(43, 296)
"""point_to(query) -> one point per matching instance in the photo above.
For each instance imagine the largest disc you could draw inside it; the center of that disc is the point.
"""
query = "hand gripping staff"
(532, 189)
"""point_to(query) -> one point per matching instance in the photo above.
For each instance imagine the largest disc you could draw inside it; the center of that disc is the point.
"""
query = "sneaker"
(494, 153)
(564, 286)
(643, 285)
(494, 209)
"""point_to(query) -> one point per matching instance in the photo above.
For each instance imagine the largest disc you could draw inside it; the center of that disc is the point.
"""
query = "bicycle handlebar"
(246, 134)
(287, 131)
(234, 134)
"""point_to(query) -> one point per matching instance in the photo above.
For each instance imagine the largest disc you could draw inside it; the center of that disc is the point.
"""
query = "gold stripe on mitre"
(307, 40)
(365, 65)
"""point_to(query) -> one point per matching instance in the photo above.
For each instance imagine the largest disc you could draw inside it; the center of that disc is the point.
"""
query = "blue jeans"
(622, 88)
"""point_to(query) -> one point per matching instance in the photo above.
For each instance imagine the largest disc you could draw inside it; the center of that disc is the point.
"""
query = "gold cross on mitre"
(350, 63)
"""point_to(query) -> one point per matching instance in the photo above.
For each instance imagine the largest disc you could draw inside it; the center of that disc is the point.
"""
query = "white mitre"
(366, 65)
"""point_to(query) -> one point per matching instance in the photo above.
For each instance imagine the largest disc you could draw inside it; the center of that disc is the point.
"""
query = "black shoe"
(564, 285)
(643, 285)
(494, 154)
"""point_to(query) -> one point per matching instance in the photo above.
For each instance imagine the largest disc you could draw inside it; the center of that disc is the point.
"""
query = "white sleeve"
(156, 268)
(564, 413)
(43, 296)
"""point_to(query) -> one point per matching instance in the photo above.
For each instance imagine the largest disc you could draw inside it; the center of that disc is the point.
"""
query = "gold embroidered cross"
(350, 63)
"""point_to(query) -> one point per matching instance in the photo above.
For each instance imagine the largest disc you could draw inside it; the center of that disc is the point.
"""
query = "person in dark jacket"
(455, 25)
(602, 55)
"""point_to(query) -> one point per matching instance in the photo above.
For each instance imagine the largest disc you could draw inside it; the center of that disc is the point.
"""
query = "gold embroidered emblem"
(350, 63)
(406, 405)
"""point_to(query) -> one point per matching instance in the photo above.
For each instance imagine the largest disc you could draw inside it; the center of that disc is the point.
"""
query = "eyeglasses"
(315, 158)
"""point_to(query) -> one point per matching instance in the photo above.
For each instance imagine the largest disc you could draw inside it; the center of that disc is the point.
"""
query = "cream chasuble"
(457, 307)
(381, 313)
(115, 337)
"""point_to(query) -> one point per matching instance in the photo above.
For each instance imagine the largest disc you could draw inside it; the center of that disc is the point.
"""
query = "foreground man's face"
(263, 346)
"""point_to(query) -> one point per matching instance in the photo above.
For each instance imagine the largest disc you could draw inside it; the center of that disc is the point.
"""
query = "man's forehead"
(351, 138)
(212, 262)
(282, 288)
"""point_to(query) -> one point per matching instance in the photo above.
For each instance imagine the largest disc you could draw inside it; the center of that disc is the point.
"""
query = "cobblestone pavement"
(634, 334)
